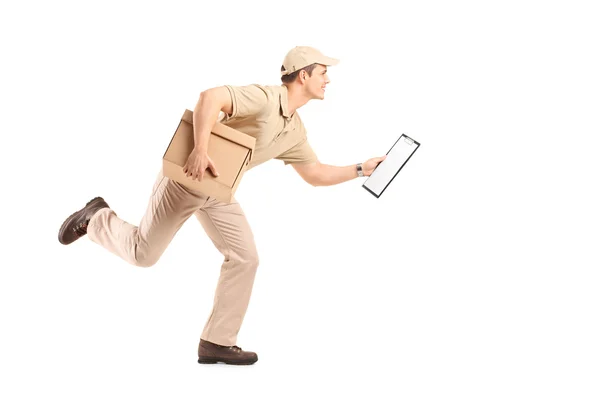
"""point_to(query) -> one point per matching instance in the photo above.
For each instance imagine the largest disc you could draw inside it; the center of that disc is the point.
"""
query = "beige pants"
(170, 205)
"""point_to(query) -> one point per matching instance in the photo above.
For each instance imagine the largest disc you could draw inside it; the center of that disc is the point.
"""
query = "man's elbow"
(205, 96)
(316, 180)
(315, 177)
(218, 96)
(311, 173)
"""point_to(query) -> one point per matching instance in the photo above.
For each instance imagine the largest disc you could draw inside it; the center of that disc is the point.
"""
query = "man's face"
(315, 84)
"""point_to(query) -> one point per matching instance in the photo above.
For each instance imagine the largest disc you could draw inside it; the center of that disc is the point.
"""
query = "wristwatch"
(359, 170)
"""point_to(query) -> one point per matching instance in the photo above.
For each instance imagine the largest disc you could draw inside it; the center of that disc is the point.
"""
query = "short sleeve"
(301, 153)
(247, 100)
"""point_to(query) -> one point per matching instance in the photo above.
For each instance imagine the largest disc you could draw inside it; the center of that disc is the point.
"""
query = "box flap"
(225, 132)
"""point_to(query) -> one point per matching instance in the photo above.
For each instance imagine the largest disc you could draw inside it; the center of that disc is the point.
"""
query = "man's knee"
(145, 259)
(247, 260)
(253, 260)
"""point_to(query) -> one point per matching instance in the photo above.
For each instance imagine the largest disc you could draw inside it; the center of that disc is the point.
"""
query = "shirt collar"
(283, 101)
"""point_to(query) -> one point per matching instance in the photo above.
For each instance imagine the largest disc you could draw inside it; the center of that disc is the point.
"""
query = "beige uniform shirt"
(261, 112)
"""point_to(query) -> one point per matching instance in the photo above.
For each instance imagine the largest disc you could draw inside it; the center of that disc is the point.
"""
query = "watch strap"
(359, 170)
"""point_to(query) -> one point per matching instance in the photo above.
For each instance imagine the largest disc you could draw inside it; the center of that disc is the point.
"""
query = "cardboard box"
(229, 149)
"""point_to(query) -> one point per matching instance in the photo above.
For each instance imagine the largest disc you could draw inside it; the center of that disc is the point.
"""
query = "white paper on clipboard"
(387, 170)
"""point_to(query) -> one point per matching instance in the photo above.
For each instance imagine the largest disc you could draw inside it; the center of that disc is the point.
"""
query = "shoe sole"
(71, 217)
(210, 360)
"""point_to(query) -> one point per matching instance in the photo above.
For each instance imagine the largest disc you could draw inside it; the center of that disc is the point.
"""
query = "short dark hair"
(289, 78)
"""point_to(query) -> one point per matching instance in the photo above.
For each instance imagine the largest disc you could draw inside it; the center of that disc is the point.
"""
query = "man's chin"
(318, 96)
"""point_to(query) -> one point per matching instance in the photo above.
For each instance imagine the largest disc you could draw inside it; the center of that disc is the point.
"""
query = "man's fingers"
(198, 173)
(212, 167)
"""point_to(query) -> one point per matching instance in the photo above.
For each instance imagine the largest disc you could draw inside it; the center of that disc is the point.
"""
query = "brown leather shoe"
(211, 353)
(75, 226)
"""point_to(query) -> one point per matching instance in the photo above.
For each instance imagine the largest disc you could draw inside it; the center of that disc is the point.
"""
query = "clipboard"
(385, 172)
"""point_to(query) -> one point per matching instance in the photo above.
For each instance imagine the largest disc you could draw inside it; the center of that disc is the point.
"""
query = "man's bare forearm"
(205, 116)
(332, 175)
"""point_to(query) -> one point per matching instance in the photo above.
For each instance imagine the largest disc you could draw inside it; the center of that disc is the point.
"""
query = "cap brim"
(328, 61)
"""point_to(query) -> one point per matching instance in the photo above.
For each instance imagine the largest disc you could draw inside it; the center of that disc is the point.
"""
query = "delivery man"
(269, 114)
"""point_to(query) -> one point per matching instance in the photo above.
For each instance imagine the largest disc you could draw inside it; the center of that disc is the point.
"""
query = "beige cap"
(301, 56)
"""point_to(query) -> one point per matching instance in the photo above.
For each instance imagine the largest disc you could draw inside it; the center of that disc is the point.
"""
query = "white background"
(475, 275)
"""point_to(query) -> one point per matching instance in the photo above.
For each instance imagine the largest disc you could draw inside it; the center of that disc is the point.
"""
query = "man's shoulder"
(262, 86)
(269, 87)
(272, 91)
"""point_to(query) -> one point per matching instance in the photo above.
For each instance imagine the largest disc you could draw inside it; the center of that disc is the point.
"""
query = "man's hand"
(369, 165)
(197, 163)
